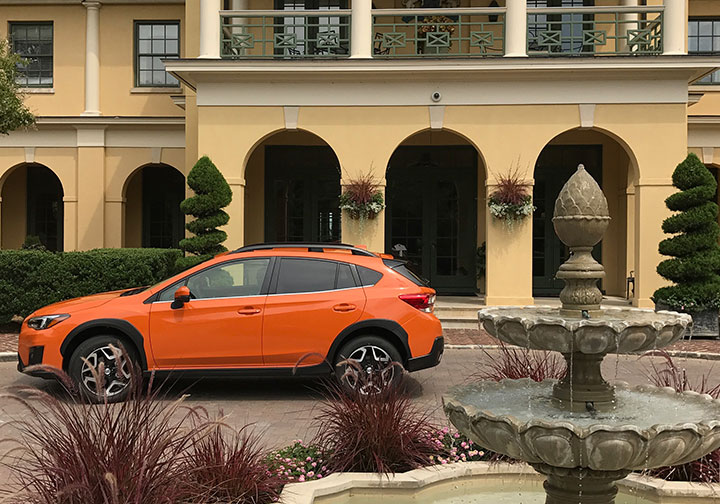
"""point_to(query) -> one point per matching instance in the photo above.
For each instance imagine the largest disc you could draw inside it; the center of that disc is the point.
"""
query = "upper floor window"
(33, 41)
(704, 38)
(155, 40)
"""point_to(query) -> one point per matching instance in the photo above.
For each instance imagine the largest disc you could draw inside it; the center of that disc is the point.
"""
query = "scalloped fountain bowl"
(650, 426)
(615, 330)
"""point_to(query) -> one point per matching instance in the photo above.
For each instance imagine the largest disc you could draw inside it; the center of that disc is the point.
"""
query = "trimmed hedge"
(31, 279)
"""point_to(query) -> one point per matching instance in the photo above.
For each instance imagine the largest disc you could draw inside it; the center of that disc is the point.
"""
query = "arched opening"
(435, 199)
(292, 186)
(609, 163)
(32, 205)
(152, 207)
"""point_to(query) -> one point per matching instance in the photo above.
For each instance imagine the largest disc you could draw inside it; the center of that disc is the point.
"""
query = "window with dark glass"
(155, 40)
(704, 38)
(306, 275)
(33, 41)
(309, 32)
(368, 276)
(235, 279)
(345, 278)
(559, 32)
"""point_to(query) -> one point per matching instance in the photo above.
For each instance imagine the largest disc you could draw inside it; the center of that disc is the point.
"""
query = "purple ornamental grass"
(70, 452)
(669, 374)
(515, 363)
(381, 431)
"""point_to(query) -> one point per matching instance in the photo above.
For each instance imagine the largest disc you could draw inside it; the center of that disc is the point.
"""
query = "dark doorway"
(432, 212)
(45, 207)
(302, 187)
(163, 188)
(554, 167)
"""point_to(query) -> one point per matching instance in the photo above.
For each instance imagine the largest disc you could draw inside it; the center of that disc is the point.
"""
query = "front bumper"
(430, 360)
(35, 359)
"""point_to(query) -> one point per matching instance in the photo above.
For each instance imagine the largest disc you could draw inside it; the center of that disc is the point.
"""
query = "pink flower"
(301, 478)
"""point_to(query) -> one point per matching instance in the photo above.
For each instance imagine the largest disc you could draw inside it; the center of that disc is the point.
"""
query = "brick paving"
(8, 341)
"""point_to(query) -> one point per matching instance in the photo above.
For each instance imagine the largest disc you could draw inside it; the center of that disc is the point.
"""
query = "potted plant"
(694, 266)
(362, 198)
(510, 202)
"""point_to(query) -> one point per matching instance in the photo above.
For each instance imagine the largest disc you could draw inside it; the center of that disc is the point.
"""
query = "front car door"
(221, 326)
(310, 303)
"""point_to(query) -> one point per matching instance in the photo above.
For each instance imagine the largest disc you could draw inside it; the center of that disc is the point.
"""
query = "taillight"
(423, 302)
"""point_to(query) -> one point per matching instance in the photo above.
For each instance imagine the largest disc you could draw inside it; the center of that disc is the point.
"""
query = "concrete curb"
(8, 356)
(680, 354)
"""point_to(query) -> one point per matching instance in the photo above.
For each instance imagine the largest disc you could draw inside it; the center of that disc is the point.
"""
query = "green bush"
(31, 279)
(694, 266)
(212, 194)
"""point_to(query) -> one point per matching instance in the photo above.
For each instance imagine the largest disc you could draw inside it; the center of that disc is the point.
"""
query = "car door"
(221, 325)
(310, 302)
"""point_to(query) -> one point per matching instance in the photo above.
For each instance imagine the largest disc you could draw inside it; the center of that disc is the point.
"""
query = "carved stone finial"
(581, 217)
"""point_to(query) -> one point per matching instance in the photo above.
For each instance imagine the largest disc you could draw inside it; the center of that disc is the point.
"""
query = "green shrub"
(212, 194)
(31, 279)
(694, 266)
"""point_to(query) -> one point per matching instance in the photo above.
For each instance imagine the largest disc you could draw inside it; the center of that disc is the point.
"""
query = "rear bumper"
(430, 360)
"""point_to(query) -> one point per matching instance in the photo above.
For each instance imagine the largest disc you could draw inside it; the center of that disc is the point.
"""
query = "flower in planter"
(362, 198)
(510, 202)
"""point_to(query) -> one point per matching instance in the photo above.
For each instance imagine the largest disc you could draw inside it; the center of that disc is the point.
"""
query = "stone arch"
(283, 168)
(443, 227)
(151, 195)
(614, 165)
(31, 209)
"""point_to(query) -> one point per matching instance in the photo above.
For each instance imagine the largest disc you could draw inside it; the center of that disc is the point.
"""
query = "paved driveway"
(283, 409)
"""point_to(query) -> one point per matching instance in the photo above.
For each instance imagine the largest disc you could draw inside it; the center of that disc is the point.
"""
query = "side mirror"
(182, 296)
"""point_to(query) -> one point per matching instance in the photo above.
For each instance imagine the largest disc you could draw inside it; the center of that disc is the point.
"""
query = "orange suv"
(268, 309)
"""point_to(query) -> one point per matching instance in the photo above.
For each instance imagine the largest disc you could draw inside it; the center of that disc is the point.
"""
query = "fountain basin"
(615, 330)
(496, 483)
(650, 426)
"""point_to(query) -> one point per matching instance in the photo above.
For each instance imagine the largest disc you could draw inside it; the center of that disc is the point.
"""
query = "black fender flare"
(369, 325)
(123, 326)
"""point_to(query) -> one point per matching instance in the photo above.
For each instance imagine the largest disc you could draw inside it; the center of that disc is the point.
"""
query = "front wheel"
(102, 368)
(368, 364)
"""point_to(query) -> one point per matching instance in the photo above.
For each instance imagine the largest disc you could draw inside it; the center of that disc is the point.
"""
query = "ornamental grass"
(669, 374)
(514, 363)
(380, 431)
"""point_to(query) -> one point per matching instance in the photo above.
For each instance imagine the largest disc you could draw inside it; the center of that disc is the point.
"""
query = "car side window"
(368, 276)
(345, 278)
(306, 275)
(169, 293)
(241, 278)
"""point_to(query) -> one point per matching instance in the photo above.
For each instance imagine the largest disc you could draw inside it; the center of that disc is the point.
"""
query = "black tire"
(377, 359)
(96, 350)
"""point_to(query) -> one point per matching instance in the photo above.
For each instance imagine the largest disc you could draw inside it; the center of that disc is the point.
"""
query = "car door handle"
(344, 307)
(248, 310)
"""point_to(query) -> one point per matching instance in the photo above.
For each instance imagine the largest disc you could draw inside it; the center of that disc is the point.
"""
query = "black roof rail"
(311, 246)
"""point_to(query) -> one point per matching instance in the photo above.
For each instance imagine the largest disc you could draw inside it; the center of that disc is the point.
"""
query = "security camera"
(436, 96)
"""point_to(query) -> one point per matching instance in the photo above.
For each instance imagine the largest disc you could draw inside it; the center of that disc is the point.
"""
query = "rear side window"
(345, 278)
(401, 267)
(306, 275)
(368, 276)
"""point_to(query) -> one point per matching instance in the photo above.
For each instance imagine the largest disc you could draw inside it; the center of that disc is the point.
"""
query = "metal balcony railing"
(595, 31)
(285, 34)
(439, 32)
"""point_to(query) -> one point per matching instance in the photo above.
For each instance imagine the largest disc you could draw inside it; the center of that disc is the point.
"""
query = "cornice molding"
(109, 121)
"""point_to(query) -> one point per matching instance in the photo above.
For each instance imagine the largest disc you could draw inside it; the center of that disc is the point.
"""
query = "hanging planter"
(510, 202)
(362, 198)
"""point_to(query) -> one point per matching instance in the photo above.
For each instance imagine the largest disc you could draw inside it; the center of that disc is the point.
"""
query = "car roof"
(308, 247)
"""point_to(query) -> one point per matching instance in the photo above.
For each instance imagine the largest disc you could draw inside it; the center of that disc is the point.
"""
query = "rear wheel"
(102, 367)
(367, 364)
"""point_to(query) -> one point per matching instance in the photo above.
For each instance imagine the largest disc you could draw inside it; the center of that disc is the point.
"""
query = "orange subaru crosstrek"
(269, 309)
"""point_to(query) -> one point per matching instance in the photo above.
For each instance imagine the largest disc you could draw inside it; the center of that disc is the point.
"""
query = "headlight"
(46, 321)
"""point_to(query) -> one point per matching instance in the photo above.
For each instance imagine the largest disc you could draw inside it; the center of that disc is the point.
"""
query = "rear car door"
(221, 326)
(310, 302)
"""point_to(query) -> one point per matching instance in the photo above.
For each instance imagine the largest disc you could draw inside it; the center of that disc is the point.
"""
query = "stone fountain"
(581, 432)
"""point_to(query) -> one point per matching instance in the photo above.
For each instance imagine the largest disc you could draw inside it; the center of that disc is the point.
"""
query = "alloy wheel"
(115, 369)
(374, 372)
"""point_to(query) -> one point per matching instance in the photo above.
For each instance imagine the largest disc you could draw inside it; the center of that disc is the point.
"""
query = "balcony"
(514, 30)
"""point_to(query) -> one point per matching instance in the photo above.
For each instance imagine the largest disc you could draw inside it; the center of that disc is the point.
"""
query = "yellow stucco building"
(294, 99)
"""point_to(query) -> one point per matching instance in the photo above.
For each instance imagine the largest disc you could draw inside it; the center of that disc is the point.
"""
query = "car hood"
(80, 303)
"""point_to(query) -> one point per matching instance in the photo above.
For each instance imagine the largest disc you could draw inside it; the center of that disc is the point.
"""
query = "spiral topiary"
(212, 193)
(695, 263)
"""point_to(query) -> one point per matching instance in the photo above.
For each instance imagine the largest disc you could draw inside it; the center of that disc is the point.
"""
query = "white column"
(361, 42)
(209, 29)
(92, 59)
(675, 21)
(516, 28)
(629, 22)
